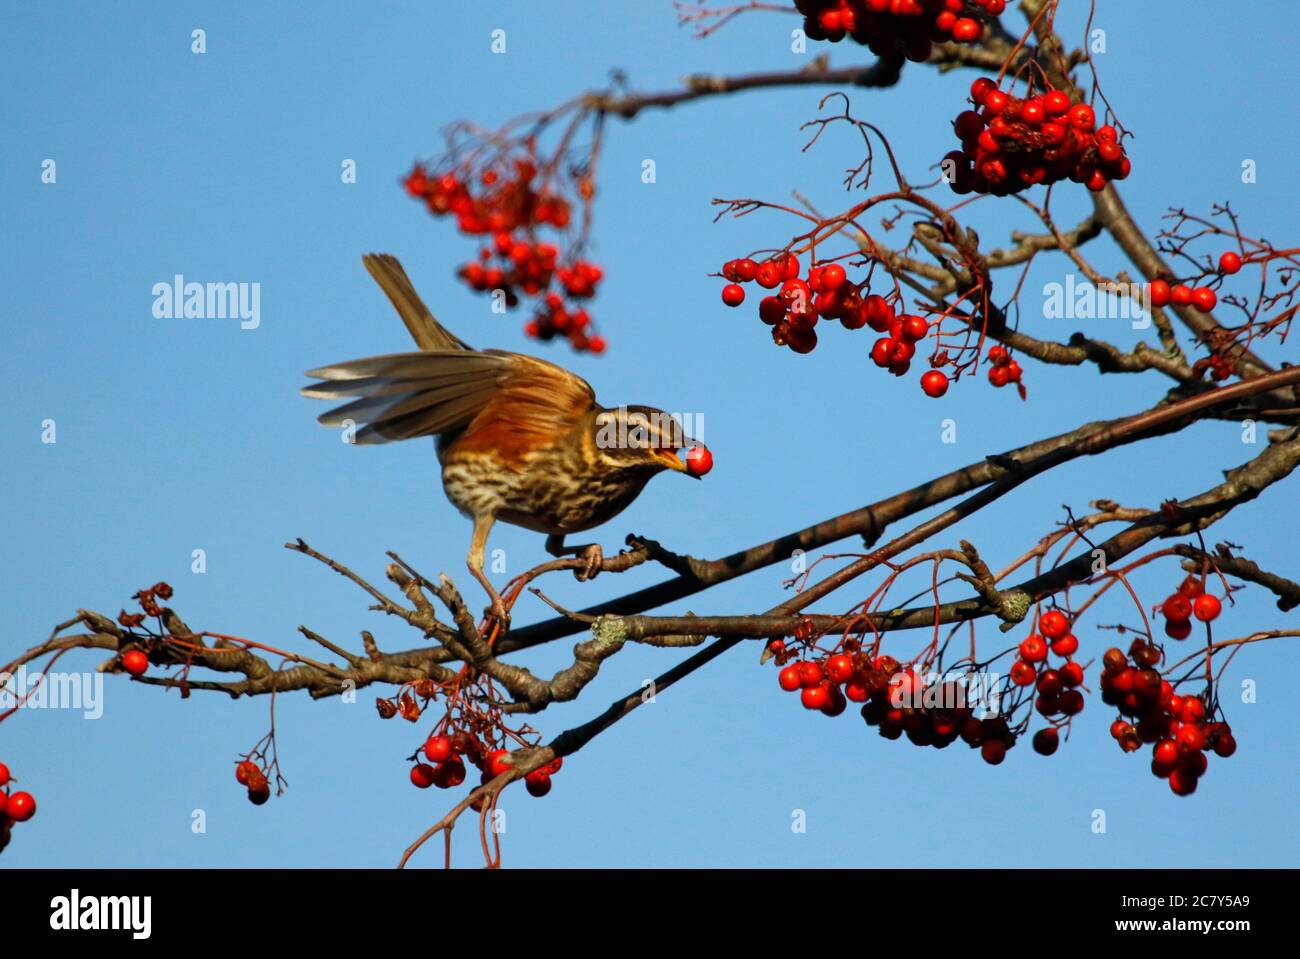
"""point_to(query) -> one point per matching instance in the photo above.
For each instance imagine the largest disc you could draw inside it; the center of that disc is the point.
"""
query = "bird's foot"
(593, 558)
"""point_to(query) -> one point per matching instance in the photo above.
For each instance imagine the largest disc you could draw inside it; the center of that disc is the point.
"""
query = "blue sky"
(176, 435)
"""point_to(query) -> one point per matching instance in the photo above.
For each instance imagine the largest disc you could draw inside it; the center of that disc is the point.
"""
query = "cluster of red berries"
(1009, 144)
(14, 806)
(1190, 600)
(1161, 292)
(509, 209)
(911, 27)
(893, 697)
(1056, 692)
(252, 776)
(827, 293)
(1003, 369)
(447, 753)
(1178, 727)
(554, 319)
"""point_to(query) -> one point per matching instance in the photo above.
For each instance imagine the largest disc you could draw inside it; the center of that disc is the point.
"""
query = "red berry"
(1181, 295)
(245, 772)
(1053, 624)
(1190, 738)
(1033, 649)
(771, 310)
(1046, 741)
(498, 762)
(438, 749)
(1225, 745)
(913, 327)
(1165, 757)
(835, 703)
(422, 775)
(1207, 607)
(1229, 262)
(698, 461)
(981, 88)
(882, 351)
(733, 294)
(1204, 299)
(1067, 645)
(996, 101)
(993, 751)
(839, 668)
(135, 662)
(1158, 293)
(815, 697)
(1022, 674)
(4, 774)
(1177, 607)
(1049, 683)
(449, 774)
(789, 679)
(259, 794)
(1193, 710)
(1178, 628)
(538, 782)
(966, 30)
(1056, 103)
(1181, 783)
(934, 383)
(810, 674)
(1081, 117)
(768, 275)
(1071, 674)
(832, 277)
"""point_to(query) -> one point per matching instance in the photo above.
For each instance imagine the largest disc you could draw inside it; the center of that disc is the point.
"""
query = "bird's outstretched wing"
(507, 399)
(491, 395)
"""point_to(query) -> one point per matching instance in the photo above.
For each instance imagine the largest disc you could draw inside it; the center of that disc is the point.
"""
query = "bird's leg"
(591, 554)
(477, 548)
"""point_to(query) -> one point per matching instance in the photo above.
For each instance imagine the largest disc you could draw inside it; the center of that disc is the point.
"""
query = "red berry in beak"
(699, 461)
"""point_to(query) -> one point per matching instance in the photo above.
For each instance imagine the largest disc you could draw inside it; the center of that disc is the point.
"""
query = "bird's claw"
(593, 558)
(498, 612)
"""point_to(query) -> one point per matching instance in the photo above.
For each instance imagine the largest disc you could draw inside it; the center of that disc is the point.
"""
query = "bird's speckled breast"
(554, 489)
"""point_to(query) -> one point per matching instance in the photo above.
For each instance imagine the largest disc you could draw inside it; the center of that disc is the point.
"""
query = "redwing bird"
(520, 440)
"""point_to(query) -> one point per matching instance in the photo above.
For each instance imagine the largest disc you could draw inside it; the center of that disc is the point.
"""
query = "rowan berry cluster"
(894, 698)
(254, 777)
(506, 204)
(1056, 694)
(911, 27)
(447, 751)
(14, 806)
(1163, 292)
(1189, 600)
(827, 293)
(1179, 728)
(1009, 144)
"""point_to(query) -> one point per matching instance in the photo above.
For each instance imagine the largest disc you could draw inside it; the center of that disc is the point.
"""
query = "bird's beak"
(671, 460)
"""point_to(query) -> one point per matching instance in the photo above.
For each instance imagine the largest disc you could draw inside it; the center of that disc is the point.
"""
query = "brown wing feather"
(537, 404)
(505, 402)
